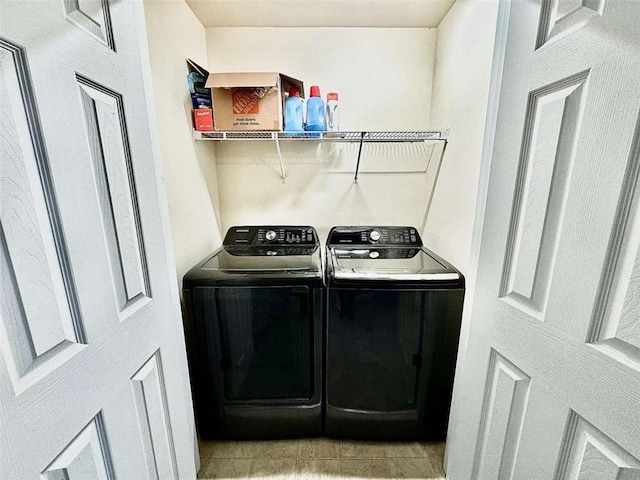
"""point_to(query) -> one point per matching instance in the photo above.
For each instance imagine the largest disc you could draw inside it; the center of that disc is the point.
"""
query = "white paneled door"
(550, 385)
(93, 377)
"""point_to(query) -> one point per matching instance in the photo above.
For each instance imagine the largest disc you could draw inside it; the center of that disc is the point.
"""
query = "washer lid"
(269, 260)
(395, 264)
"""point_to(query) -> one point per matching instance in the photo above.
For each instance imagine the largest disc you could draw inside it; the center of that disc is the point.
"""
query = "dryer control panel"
(383, 236)
(271, 235)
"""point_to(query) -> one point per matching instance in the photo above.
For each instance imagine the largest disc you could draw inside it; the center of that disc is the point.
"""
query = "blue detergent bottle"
(293, 112)
(315, 111)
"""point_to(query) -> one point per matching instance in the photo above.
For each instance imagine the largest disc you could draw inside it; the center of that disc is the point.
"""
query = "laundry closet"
(395, 76)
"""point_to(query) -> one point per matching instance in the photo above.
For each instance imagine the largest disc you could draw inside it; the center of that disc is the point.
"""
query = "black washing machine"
(393, 320)
(254, 334)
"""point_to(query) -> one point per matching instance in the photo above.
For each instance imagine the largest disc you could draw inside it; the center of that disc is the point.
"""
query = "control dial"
(270, 235)
(374, 235)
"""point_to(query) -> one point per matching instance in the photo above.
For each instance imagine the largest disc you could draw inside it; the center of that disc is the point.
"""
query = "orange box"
(203, 119)
(250, 101)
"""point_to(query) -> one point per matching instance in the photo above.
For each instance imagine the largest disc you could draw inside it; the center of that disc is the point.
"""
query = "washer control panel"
(275, 235)
(383, 236)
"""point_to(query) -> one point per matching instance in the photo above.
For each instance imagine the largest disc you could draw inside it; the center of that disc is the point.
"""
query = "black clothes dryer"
(393, 320)
(254, 334)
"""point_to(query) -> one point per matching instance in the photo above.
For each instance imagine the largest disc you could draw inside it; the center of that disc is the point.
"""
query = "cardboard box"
(250, 101)
(203, 119)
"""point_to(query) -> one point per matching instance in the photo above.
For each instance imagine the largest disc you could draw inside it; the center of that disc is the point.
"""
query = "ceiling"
(320, 13)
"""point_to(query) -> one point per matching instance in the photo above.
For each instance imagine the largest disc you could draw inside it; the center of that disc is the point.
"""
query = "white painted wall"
(319, 189)
(463, 61)
(174, 33)
(383, 75)
(384, 79)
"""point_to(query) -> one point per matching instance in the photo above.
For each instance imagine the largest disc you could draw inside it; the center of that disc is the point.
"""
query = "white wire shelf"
(399, 136)
(353, 137)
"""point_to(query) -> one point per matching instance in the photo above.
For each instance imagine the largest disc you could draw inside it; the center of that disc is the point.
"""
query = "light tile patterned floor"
(321, 459)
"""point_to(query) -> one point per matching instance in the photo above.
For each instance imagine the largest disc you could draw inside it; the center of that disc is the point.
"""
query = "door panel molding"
(92, 16)
(559, 18)
(614, 324)
(153, 417)
(109, 141)
(41, 314)
(552, 125)
(503, 411)
(588, 453)
(87, 456)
